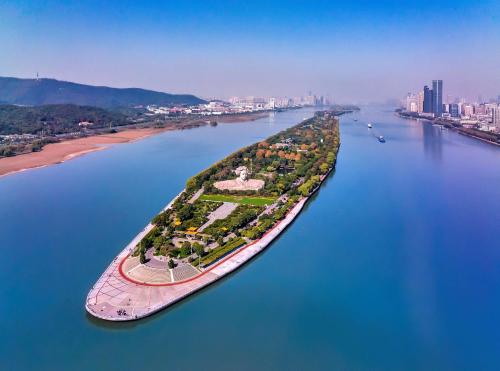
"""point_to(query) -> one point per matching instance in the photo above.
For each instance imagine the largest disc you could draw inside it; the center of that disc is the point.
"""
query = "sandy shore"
(55, 153)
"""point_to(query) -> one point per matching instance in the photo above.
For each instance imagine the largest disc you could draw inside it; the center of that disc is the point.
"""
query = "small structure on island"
(242, 183)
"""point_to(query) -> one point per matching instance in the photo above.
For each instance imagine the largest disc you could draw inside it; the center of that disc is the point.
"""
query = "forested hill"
(55, 119)
(35, 92)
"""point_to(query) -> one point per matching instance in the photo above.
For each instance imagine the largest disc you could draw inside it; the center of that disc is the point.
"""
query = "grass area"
(220, 251)
(256, 201)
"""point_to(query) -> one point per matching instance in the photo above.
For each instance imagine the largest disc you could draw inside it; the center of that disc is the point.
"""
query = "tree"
(199, 249)
(171, 264)
(142, 257)
(186, 212)
(186, 248)
(158, 242)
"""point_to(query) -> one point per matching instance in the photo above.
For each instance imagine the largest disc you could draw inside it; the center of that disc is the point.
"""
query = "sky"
(355, 51)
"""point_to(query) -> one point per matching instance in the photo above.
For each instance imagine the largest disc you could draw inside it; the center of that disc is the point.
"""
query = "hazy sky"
(353, 50)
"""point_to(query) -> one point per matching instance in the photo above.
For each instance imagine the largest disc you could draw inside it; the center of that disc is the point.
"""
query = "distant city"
(428, 103)
(237, 105)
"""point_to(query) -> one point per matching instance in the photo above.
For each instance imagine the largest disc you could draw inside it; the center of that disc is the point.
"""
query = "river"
(394, 264)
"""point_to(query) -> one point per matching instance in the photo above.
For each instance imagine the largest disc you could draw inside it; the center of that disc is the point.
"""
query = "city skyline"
(362, 52)
(428, 103)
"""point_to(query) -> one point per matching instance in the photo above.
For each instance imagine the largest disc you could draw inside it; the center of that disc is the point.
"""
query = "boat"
(381, 139)
(355, 120)
(369, 126)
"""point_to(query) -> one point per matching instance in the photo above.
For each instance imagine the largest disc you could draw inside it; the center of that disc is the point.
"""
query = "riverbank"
(56, 153)
(483, 136)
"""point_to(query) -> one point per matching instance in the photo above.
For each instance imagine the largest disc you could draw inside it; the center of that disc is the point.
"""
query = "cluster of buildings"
(17, 137)
(309, 100)
(242, 105)
(428, 103)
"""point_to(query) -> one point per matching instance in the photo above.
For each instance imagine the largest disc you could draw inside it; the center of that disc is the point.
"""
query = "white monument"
(242, 183)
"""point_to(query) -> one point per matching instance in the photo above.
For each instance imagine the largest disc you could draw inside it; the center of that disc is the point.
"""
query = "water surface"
(393, 265)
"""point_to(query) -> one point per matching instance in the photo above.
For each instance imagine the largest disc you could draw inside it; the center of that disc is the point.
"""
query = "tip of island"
(226, 215)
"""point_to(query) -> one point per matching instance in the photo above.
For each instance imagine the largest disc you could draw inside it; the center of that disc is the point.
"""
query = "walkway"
(221, 212)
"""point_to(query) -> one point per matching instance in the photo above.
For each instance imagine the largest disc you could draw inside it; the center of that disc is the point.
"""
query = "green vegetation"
(292, 164)
(220, 251)
(195, 215)
(256, 201)
(55, 119)
(309, 185)
(241, 216)
(290, 157)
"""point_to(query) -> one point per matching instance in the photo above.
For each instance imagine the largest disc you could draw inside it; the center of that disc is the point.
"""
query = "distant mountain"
(35, 92)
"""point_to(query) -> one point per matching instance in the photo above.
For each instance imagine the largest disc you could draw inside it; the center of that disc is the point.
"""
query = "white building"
(411, 103)
(467, 110)
(420, 102)
(495, 115)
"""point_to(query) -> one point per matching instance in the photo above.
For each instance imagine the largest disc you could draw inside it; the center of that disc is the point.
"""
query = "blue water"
(395, 264)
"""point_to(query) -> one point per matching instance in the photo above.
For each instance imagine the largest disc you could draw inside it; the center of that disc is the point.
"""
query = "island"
(226, 215)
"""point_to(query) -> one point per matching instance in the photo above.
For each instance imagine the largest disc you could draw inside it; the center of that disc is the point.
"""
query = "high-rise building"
(467, 110)
(427, 100)
(420, 101)
(495, 115)
(310, 100)
(437, 97)
(480, 109)
(453, 110)
(411, 103)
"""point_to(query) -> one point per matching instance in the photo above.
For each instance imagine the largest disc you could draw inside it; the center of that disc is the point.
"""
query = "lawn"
(256, 201)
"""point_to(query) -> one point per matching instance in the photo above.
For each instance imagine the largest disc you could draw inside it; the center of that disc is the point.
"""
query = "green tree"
(199, 249)
(142, 257)
(186, 248)
(171, 264)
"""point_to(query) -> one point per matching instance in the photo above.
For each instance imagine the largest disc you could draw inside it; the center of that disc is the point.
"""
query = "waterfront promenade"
(117, 297)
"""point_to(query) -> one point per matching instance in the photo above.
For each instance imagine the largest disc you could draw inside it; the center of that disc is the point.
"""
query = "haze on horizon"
(357, 52)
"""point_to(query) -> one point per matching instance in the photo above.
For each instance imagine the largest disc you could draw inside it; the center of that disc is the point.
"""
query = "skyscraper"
(495, 116)
(420, 101)
(427, 100)
(437, 97)
(453, 110)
